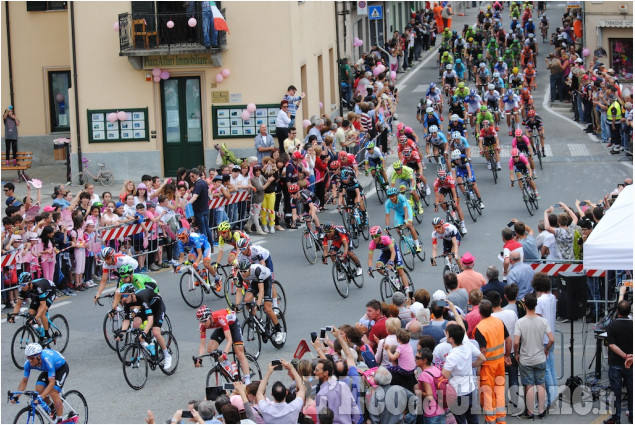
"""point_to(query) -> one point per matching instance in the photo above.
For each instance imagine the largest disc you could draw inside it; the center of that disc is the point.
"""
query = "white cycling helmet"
(448, 67)
(33, 349)
(482, 65)
(456, 154)
(456, 135)
(429, 110)
(496, 74)
(434, 129)
(490, 87)
(454, 117)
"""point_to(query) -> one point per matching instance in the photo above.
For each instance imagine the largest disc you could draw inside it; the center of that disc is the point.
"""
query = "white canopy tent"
(610, 245)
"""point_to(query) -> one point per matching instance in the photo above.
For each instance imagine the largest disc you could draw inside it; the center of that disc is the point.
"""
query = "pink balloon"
(585, 52)
(382, 68)
(306, 123)
(192, 22)
(393, 75)
(225, 72)
(156, 72)
(112, 117)
(156, 79)
(165, 75)
(115, 26)
(170, 24)
(251, 107)
(321, 105)
(122, 115)
(219, 78)
(246, 115)
(376, 71)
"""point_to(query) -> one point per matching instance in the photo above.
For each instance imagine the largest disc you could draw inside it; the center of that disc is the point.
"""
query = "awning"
(616, 23)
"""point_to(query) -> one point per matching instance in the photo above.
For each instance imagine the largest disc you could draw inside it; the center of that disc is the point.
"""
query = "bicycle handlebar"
(104, 296)
(449, 201)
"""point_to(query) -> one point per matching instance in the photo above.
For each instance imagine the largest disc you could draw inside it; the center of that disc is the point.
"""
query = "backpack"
(522, 309)
(369, 358)
(445, 392)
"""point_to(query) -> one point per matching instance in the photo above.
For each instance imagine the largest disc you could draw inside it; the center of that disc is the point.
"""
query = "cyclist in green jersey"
(483, 115)
(139, 281)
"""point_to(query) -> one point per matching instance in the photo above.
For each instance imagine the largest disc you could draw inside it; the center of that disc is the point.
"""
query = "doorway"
(181, 123)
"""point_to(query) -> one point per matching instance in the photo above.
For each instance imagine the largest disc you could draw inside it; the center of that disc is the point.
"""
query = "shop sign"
(616, 23)
(177, 61)
(219, 96)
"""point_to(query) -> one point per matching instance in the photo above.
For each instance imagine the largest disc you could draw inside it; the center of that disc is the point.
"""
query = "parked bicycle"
(104, 177)
(471, 200)
(529, 195)
(137, 358)
(311, 241)
(75, 408)
(218, 375)
(344, 272)
(259, 328)
(391, 282)
(31, 332)
(194, 283)
(407, 246)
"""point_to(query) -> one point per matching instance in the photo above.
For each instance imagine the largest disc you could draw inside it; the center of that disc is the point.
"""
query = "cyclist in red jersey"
(339, 238)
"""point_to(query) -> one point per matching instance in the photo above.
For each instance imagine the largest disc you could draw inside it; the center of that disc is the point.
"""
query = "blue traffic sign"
(375, 13)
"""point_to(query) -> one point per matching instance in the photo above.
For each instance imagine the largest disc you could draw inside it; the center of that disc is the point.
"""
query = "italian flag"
(219, 22)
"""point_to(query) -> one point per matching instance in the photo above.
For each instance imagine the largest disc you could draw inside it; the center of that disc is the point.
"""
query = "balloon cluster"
(251, 108)
(119, 115)
(379, 69)
(158, 74)
(357, 42)
(220, 77)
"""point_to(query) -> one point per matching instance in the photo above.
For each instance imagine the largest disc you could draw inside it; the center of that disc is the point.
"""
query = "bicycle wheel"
(492, 161)
(537, 151)
(28, 416)
(421, 254)
(254, 368)
(135, 366)
(415, 212)
(380, 189)
(534, 199)
(167, 324)
(308, 246)
(281, 297)
(476, 203)
(354, 235)
(251, 338)
(339, 279)
(471, 208)
(22, 337)
(230, 292)
(385, 289)
(120, 346)
(59, 332)
(191, 290)
(173, 349)
(357, 280)
(410, 282)
(111, 324)
(527, 200)
(212, 286)
(107, 179)
(217, 376)
(346, 220)
(78, 179)
(283, 328)
(423, 194)
(407, 252)
(76, 402)
(365, 230)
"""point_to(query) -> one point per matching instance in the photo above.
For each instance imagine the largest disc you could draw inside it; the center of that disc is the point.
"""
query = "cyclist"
(462, 170)
(515, 79)
(445, 185)
(348, 160)
(431, 119)
(511, 104)
(112, 261)
(406, 143)
(225, 326)
(489, 138)
(530, 76)
(459, 142)
(375, 160)
(534, 123)
(530, 41)
(523, 144)
(492, 48)
(226, 235)
(351, 193)
(526, 56)
(499, 83)
(255, 254)
(449, 80)
(544, 25)
(492, 99)
(390, 255)
(450, 236)
(50, 382)
(202, 249)
(434, 95)
(258, 278)
(334, 179)
(403, 213)
(527, 101)
(459, 68)
(501, 68)
(41, 292)
(482, 75)
(405, 175)
(456, 108)
(339, 238)
(519, 166)
(446, 59)
(457, 124)
(461, 92)
(439, 143)
(412, 159)
(472, 104)
(139, 281)
(152, 311)
(300, 196)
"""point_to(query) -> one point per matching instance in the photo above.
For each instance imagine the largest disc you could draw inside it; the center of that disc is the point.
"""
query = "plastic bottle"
(234, 369)
(226, 363)
(152, 348)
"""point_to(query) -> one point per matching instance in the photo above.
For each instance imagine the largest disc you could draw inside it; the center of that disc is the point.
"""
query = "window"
(621, 51)
(59, 82)
(41, 6)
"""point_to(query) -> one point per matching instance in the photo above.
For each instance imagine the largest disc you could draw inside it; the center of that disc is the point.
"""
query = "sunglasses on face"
(515, 156)
(244, 249)
(418, 357)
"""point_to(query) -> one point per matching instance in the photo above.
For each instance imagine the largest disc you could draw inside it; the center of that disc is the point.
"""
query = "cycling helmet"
(243, 243)
(127, 288)
(510, 92)
(370, 145)
(400, 126)
(125, 270)
(456, 154)
(457, 61)
(244, 265)
(530, 65)
(455, 99)
(448, 67)
(434, 129)
(224, 226)
(445, 54)
(346, 173)
(203, 313)
(182, 232)
(390, 192)
(107, 252)
(328, 226)
(437, 221)
(471, 39)
(518, 132)
(490, 87)
(293, 188)
(454, 117)
(429, 110)
(496, 74)
(456, 135)
(472, 92)
(486, 123)
(500, 58)
(33, 349)
(342, 154)
(432, 85)
(531, 34)
(407, 152)
(402, 188)
(25, 278)
(461, 84)
(397, 165)
(531, 113)
(515, 152)
(482, 65)
(442, 174)
(297, 155)
(515, 70)
(483, 108)
(334, 164)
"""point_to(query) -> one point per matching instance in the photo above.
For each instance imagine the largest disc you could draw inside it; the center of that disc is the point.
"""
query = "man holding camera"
(279, 411)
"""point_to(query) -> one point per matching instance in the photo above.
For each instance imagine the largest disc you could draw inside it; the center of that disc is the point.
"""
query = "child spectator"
(473, 317)
(79, 252)
(564, 232)
(47, 253)
(92, 248)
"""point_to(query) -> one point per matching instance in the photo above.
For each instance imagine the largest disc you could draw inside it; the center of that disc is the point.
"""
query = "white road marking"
(56, 305)
(421, 88)
(628, 164)
(578, 149)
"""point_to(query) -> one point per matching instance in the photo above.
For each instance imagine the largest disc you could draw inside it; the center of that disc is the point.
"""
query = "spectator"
(378, 329)
(438, 322)
(200, 204)
(386, 395)
(384, 346)
(279, 411)
(399, 300)
(473, 317)
(531, 355)
(469, 279)
(564, 232)
(335, 394)
(283, 120)
(521, 274)
(525, 235)
(293, 101)
(509, 245)
(292, 143)
(264, 143)
(546, 308)
(546, 241)
(493, 284)
(316, 130)
(620, 340)
(459, 296)
(11, 123)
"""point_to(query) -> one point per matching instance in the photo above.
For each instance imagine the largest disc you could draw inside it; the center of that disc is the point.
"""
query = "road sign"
(375, 13)
(362, 8)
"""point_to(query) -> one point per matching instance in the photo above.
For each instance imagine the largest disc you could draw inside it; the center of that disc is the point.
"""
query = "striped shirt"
(366, 121)
(292, 100)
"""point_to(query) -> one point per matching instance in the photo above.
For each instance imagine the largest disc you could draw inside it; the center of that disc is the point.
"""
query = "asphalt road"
(577, 168)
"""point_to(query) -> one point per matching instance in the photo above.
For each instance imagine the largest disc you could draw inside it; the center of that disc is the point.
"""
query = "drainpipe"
(77, 126)
(337, 42)
(6, 11)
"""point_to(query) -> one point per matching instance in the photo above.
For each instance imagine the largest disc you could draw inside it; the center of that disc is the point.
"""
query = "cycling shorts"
(385, 257)
(158, 314)
(400, 182)
(35, 302)
(337, 244)
(489, 141)
(268, 286)
(374, 162)
(445, 191)
(218, 334)
(401, 219)
(447, 244)
(350, 197)
(60, 377)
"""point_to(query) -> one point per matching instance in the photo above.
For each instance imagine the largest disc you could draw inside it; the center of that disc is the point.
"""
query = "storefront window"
(59, 82)
(621, 50)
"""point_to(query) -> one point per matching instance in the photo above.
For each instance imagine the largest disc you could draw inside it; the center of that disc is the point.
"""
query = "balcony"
(148, 34)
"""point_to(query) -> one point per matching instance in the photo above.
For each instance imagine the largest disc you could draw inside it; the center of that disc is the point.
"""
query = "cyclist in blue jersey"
(430, 119)
(50, 382)
(198, 245)
(403, 213)
(457, 124)
(462, 170)
(374, 158)
(439, 143)
(459, 142)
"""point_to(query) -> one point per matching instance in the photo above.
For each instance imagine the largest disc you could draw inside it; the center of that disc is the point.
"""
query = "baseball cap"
(119, 204)
(48, 208)
(579, 60)
(150, 204)
(467, 258)
(439, 295)
(398, 299)
(416, 307)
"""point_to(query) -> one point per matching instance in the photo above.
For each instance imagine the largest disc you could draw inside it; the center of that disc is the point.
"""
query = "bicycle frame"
(42, 408)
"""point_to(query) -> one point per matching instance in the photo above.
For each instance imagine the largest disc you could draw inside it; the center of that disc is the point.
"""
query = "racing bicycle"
(407, 246)
(259, 328)
(451, 216)
(344, 272)
(391, 282)
(137, 358)
(471, 201)
(195, 282)
(236, 289)
(311, 241)
(218, 375)
(353, 223)
(449, 264)
(535, 145)
(38, 411)
(31, 332)
(529, 195)
(380, 184)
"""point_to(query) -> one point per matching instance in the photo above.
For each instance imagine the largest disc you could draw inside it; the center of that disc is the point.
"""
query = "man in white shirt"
(279, 411)
(546, 308)
(546, 243)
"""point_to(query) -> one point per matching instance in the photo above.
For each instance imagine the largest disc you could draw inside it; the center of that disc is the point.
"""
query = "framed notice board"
(133, 129)
(229, 124)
